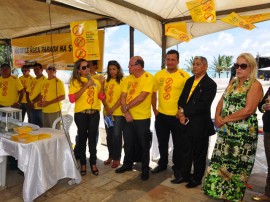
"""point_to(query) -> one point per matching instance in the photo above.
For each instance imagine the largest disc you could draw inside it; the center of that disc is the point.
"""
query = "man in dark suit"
(195, 116)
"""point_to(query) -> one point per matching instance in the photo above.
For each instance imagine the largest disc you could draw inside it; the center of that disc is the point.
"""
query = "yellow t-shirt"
(26, 83)
(169, 87)
(9, 88)
(113, 92)
(133, 87)
(52, 88)
(89, 98)
(35, 89)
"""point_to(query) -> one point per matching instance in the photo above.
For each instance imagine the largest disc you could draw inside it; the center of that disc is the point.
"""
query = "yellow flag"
(202, 10)
(237, 20)
(257, 18)
(177, 31)
(84, 36)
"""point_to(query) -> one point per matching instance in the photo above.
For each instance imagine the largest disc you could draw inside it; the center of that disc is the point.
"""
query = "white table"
(43, 162)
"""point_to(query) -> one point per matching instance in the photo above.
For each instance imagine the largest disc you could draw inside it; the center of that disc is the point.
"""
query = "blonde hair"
(252, 63)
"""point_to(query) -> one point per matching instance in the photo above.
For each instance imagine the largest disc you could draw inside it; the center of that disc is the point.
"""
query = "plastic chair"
(67, 121)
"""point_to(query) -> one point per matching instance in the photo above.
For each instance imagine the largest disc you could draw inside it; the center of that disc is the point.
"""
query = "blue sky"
(229, 42)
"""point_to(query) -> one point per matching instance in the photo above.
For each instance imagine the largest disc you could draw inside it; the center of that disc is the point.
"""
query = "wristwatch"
(181, 110)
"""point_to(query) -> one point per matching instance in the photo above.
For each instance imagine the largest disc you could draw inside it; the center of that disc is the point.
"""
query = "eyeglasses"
(242, 66)
(51, 68)
(84, 67)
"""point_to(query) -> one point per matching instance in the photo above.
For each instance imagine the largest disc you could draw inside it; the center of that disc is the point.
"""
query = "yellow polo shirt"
(89, 98)
(113, 92)
(169, 87)
(35, 89)
(133, 87)
(52, 88)
(9, 88)
(26, 81)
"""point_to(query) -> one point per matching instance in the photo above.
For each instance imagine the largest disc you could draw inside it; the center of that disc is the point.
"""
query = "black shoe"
(193, 183)
(179, 180)
(145, 175)
(123, 169)
(158, 169)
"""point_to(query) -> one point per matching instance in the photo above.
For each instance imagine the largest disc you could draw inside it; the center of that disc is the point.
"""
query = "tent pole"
(163, 47)
(131, 41)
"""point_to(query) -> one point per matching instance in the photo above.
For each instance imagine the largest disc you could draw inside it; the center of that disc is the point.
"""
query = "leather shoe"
(193, 183)
(145, 175)
(261, 198)
(158, 169)
(179, 180)
(123, 169)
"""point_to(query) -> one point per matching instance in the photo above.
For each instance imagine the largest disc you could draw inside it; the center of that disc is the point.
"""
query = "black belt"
(89, 111)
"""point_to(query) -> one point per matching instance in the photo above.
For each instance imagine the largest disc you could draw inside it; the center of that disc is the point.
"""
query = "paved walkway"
(126, 187)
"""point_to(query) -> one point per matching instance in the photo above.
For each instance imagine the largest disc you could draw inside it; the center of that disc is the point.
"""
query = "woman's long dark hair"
(119, 74)
(75, 73)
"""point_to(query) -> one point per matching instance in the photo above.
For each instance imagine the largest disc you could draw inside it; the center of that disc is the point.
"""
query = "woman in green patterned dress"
(234, 153)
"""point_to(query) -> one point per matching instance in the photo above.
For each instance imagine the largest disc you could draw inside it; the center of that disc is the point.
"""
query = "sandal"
(115, 163)
(95, 172)
(83, 171)
(108, 161)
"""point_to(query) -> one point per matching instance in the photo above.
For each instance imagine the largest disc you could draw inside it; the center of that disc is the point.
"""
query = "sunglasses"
(242, 66)
(84, 67)
(51, 68)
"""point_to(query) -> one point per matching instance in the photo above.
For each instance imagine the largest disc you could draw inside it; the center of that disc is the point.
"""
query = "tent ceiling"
(25, 17)
(151, 14)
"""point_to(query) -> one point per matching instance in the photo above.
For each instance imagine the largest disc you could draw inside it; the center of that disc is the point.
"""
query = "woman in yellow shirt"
(83, 91)
(113, 113)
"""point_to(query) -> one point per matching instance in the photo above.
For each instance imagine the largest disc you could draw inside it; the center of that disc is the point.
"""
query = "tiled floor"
(109, 186)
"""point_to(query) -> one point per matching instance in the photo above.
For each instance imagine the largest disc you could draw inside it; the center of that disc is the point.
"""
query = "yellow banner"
(177, 31)
(84, 36)
(237, 20)
(49, 49)
(256, 18)
(202, 10)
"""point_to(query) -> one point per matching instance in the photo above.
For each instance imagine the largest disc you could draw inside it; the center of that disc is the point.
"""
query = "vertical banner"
(84, 36)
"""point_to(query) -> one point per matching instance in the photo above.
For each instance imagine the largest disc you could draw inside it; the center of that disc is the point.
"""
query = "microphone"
(90, 79)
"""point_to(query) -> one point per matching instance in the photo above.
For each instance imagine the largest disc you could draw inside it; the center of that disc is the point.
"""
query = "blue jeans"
(137, 131)
(87, 125)
(114, 137)
(36, 117)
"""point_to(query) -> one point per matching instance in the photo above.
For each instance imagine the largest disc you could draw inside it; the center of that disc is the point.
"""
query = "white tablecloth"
(43, 162)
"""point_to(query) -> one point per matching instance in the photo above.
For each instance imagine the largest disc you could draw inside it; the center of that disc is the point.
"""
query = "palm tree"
(228, 63)
(218, 64)
(189, 64)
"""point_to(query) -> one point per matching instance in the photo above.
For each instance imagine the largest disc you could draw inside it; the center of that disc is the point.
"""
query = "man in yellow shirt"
(170, 83)
(33, 95)
(25, 79)
(52, 93)
(11, 89)
(136, 106)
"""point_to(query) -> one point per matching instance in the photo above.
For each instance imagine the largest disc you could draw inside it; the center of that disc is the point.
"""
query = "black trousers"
(194, 150)
(166, 125)
(87, 125)
(267, 154)
(137, 130)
